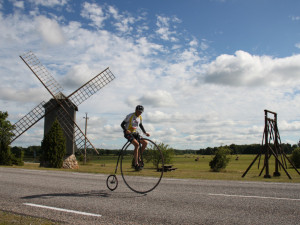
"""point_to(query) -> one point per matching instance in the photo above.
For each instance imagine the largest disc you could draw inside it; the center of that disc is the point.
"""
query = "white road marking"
(89, 174)
(253, 196)
(268, 183)
(63, 210)
(37, 171)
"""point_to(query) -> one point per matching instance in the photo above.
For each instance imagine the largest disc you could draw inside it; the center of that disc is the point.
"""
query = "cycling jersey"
(132, 122)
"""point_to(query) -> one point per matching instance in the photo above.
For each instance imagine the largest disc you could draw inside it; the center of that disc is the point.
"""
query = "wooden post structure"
(271, 133)
(86, 118)
(266, 147)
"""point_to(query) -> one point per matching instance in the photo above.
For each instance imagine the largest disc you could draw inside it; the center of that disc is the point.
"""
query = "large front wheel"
(148, 176)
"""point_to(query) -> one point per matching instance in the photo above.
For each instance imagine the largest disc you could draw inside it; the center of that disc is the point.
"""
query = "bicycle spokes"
(148, 174)
(112, 182)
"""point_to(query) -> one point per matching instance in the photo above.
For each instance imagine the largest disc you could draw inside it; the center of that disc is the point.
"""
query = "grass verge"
(7, 218)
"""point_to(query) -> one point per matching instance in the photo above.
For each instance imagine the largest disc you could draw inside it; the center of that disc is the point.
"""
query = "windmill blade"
(41, 73)
(73, 132)
(91, 87)
(31, 118)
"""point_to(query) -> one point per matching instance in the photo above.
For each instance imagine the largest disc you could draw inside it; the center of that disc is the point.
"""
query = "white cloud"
(289, 126)
(29, 95)
(295, 17)
(158, 98)
(123, 22)
(164, 28)
(148, 48)
(244, 69)
(50, 30)
(95, 13)
(49, 3)
(19, 4)
(77, 76)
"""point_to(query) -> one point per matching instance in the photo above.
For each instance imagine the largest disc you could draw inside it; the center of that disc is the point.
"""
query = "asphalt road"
(80, 198)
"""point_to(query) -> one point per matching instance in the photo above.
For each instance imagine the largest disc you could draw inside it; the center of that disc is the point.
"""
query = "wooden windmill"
(60, 106)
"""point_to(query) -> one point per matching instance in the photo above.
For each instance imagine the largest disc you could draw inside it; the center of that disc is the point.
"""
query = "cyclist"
(129, 126)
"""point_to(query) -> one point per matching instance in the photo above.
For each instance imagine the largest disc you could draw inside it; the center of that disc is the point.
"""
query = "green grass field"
(187, 167)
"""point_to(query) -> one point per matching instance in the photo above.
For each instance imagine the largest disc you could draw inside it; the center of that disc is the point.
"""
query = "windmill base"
(70, 162)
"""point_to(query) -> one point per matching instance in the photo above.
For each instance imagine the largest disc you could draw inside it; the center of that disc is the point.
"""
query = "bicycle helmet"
(139, 108)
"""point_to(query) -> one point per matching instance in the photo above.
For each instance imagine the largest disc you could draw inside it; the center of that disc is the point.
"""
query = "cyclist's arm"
(123, 125)
(142, 128)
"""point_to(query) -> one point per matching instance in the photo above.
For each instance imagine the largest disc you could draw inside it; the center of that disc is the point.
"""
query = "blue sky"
(204, 70)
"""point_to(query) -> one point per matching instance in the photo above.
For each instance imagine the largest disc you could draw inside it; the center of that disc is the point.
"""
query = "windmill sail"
(31, 118)
(41, 73)
(72, 130)
(91, 87)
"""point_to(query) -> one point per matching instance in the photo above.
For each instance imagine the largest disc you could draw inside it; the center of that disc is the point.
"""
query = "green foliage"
(5, 154)
(152, 155)
(295, 157)
(243, 149)
(5, 136)
(220, 160)
(53, 147)
(17, 156)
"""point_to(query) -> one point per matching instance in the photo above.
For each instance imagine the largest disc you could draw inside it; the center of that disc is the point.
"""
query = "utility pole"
(86, 118)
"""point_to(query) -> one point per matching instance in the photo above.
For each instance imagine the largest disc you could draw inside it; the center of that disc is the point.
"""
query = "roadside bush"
(220, 160)
(295, 157)
(53, 147)
(17, 156)
(151, 155)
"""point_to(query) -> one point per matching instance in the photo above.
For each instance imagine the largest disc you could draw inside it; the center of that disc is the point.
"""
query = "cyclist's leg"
(131, 137)
(135, 152)
(144, 145)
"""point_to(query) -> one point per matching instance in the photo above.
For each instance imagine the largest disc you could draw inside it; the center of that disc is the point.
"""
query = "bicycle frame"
(121, 151)
(112, 181)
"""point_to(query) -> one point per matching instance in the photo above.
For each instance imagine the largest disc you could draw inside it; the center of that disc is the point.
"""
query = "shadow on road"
(103, 194)
(88, 194)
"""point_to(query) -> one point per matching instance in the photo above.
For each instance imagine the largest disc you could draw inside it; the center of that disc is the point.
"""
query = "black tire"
(112, 182)
(146, 179)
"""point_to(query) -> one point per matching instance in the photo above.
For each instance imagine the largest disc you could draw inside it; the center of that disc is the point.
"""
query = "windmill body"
(52, 114)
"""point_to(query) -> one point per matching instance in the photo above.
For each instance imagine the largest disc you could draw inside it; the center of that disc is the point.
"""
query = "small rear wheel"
(112, 182)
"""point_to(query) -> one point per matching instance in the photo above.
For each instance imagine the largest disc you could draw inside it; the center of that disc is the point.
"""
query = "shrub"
(295, 157)
(152, 155)
(17, 156)
(53, 147)
(220, 159)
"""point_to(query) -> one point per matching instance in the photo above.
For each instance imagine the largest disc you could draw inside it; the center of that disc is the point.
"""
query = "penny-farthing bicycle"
(144, 179)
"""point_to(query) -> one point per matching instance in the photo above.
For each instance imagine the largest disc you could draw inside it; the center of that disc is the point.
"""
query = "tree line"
(35, 151)
(245, 149)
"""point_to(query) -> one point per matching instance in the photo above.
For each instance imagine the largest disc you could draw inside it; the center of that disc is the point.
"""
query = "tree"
(53, 147)
(5, 137)
(152, 155)
(220, 160)
(295, 157)
(17, 156)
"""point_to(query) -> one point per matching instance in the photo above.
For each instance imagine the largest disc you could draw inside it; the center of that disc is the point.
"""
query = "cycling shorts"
(131, 136)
